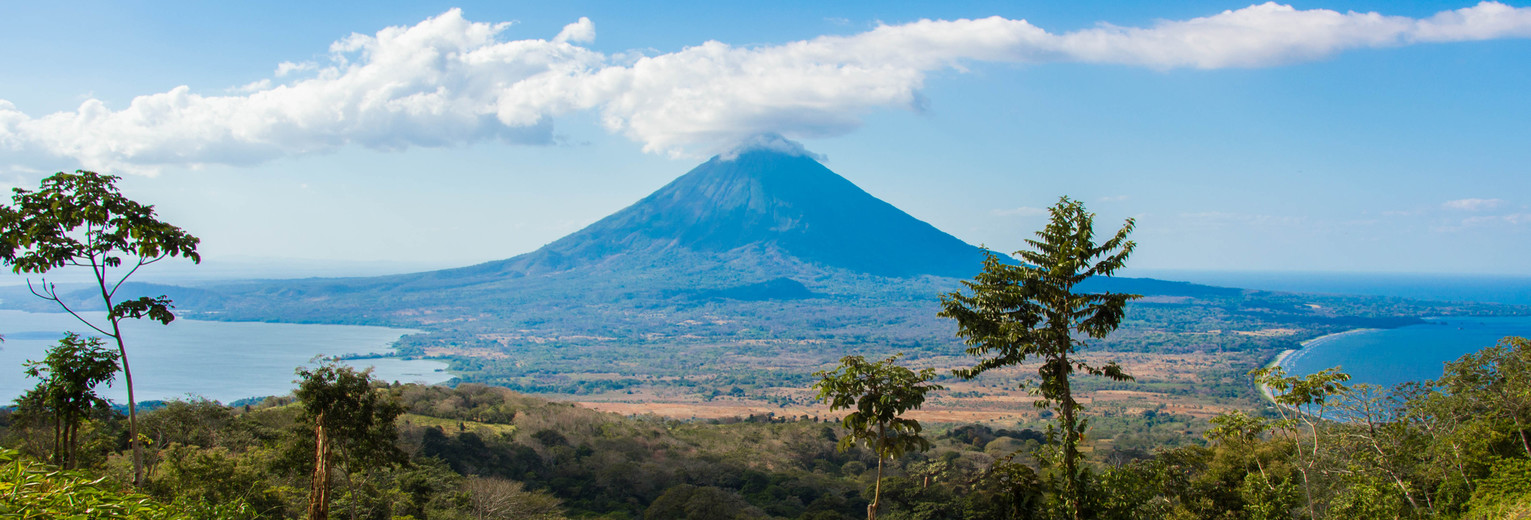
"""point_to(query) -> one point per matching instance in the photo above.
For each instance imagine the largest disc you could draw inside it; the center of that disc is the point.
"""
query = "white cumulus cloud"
(582, 31)
(448, 81)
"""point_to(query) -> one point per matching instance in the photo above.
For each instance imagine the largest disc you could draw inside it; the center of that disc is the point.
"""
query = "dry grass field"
(994, 398)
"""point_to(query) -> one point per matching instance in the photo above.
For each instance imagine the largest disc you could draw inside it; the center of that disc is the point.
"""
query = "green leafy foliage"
(1434, 449)
(1016, 313)
(880, 392)
(30, 490)
(350, 417)
(66, 390)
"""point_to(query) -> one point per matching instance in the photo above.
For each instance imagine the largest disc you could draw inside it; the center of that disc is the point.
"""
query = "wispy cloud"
(1514, 219)
(1473, 204)
(1223, 218)
(287, 67)
(448, 81)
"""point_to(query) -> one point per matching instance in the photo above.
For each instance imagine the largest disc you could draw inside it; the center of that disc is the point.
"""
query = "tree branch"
(51, 291)
(141, 263)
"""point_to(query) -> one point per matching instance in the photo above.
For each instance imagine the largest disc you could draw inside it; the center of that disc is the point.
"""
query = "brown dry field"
(993, 398)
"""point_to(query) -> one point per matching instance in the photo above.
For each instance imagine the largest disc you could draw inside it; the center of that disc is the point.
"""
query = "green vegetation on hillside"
(1449, 448)
(346, 446)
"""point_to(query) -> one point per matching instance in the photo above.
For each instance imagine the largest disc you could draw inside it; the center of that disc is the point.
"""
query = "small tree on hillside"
(880, 392)
(1016, 313)
(80, 219)
(67, 390)
(1302, 401)
(349, 417)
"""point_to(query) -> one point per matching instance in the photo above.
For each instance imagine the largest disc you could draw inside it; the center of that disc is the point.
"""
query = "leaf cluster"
(1013, 313)
(359, 418)
(82, 215)
(880, 392)
(70, 372)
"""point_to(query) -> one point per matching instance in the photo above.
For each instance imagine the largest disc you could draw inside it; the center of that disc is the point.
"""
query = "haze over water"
(225, 361)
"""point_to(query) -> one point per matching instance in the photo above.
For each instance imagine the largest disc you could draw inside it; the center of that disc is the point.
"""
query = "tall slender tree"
(1016, 313)
(880, 392)
(81, 220)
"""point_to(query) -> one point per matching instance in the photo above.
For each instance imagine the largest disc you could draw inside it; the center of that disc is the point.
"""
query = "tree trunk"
(319, 491)
(1524, 442)
(58, 439)
(876, 488)
(1068, 409)
(1263, 476)
(71, 440)
(345, 474)
(882, 437)
(127, 378)
(1307, 492)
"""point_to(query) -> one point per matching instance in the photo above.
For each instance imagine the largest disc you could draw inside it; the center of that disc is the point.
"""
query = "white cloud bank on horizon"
(448, 81)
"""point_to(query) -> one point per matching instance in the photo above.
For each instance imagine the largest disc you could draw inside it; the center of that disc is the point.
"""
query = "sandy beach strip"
(1286, 355)
(1265, 389)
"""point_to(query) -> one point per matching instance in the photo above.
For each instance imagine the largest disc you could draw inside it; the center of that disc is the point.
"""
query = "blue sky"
(1340, 136)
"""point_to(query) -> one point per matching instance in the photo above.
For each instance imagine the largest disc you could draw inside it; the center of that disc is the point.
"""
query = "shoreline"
(1281, 358)
(1265, 390)
(220, 360)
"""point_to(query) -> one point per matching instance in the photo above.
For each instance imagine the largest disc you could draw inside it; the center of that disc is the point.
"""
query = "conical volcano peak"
(770, 197)
(771, 142)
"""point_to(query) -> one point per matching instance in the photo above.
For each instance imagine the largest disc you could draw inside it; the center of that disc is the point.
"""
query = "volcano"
(765, 223)
(762, 202)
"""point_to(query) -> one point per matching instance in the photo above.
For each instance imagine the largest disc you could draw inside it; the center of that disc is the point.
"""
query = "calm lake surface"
(225, 361)
(1413, 353)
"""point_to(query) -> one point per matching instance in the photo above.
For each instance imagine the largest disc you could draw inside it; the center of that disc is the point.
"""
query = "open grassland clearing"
(1167, 383)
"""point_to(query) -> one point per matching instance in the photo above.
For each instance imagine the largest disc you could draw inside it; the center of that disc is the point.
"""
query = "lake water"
(1414, 353)
(225, 361)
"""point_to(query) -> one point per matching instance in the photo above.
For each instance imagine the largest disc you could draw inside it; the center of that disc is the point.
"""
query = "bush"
(34, 490)
(1506, 493)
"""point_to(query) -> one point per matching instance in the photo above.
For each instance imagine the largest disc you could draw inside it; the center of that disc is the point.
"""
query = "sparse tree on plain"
(880, 392)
